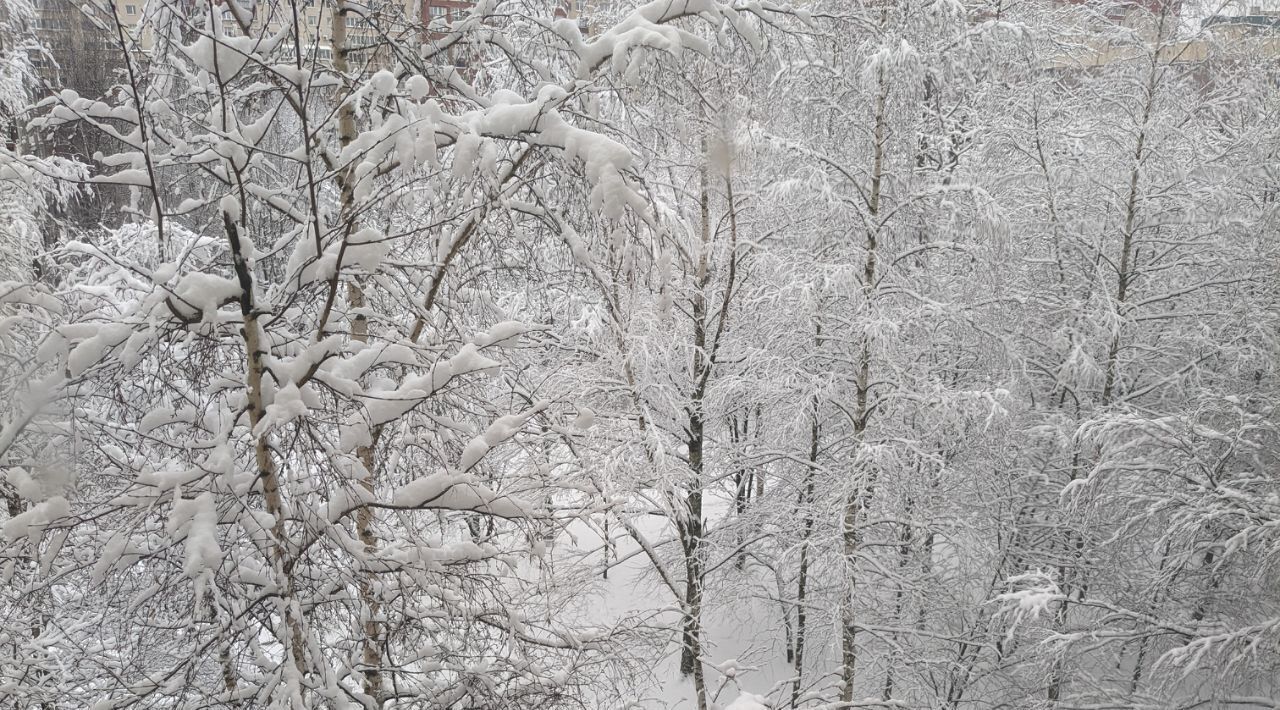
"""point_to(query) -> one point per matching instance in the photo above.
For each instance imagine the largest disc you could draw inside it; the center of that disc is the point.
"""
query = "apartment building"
(95, 24)
(448, 10)
(68, 24)
(1173, 30)
(1257, 20)
(443, 11)
(368, 31)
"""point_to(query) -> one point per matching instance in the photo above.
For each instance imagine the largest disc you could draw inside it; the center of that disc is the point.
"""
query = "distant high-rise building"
(443, 11)
(1140, 14)
(367, 29)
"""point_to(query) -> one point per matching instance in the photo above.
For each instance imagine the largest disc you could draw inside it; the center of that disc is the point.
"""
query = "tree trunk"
(371, 653)
(1124, 277)
(251, 331)
(690, 657)
(905, 539)
(857, 498)
(802, 581)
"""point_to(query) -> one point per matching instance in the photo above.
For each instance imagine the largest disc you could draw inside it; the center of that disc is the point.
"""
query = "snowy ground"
(746, 659)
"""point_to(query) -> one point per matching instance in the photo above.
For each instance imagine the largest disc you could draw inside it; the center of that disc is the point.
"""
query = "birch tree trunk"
(371, 654)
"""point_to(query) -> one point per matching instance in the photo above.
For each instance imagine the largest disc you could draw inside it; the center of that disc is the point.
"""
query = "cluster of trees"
(939, 333)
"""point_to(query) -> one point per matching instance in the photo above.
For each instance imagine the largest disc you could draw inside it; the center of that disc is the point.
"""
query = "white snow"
(748, 701)
(206, 292)
(222, 57)
(458, 492)
(286, 406)
(506, 333)
(201, 551)
(585, 420)
(94, 349)
(366, 249)
(35, 519)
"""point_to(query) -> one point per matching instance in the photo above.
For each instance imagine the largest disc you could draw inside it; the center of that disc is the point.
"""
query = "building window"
(130, 9)
(439, 13)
